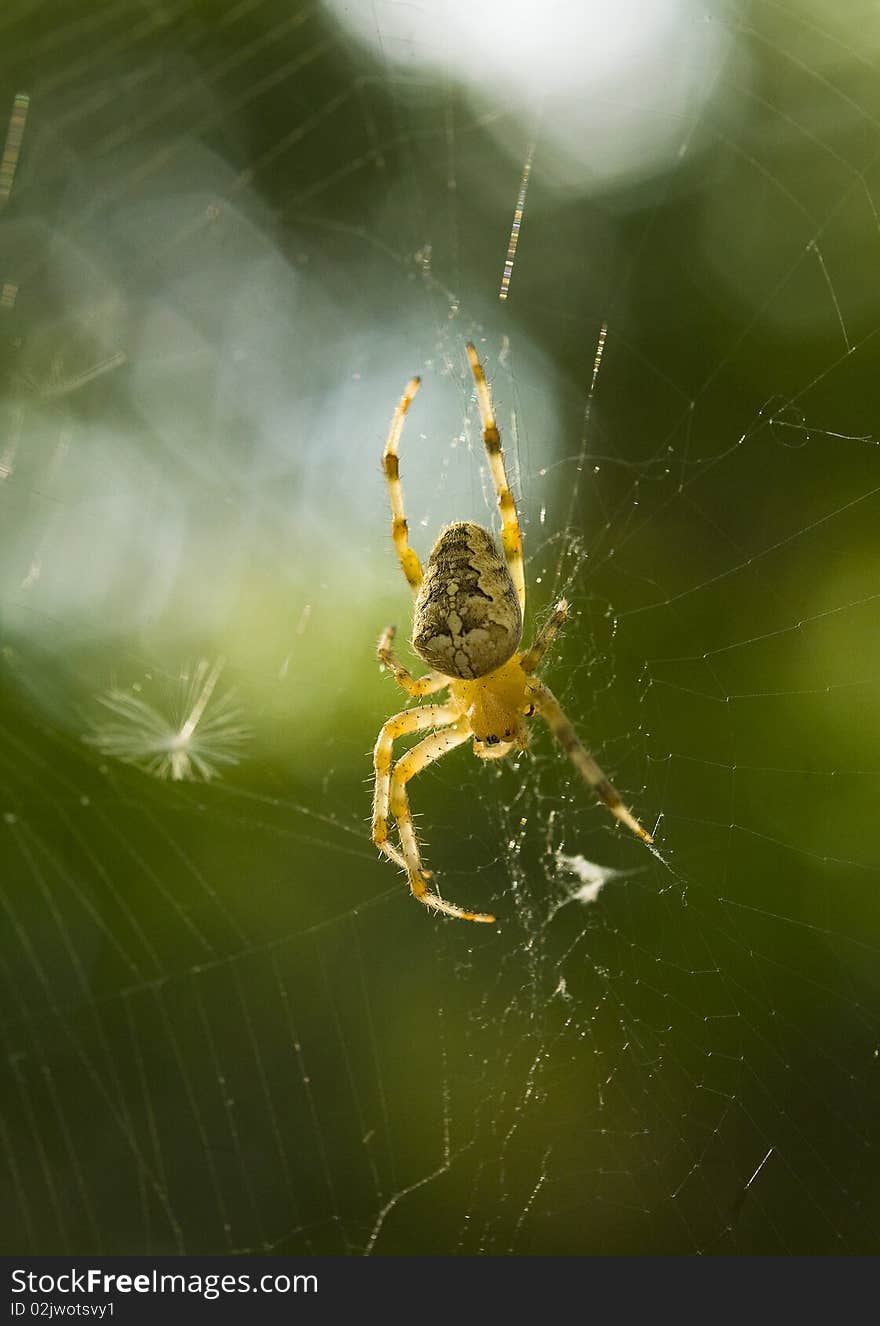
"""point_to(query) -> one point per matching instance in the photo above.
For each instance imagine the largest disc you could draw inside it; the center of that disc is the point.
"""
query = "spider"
(467, 626)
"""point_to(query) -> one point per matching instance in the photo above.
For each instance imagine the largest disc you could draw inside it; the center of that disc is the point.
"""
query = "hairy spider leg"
(417, 686)
(531, 659)
(400, 725)
(415, 760)
(409, 562)
(550, 709)
(511, 539)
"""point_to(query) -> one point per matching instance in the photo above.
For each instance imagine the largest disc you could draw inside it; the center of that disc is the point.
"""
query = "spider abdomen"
(467, 619)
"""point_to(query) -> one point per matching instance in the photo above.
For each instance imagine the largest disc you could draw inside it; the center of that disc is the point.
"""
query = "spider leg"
(545, 637)
(408, 720)
(427, 685)
(409, 562)
(549, 708)
(511, 539)
(415, 760)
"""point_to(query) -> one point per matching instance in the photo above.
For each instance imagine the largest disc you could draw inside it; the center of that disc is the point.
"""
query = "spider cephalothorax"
(467, 626)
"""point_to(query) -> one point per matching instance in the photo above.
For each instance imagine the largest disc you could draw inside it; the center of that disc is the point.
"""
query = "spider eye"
(530, 711)
(491, 740)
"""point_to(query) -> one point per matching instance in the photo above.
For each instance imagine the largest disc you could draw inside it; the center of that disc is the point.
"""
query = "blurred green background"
(228, 236)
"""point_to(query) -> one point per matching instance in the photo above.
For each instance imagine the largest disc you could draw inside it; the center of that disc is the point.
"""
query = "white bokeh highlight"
(612, 93)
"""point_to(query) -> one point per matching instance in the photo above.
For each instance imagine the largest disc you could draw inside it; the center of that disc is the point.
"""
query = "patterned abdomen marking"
(467, 618)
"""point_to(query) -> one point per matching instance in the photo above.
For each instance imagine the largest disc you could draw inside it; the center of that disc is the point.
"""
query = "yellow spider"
(467, 626)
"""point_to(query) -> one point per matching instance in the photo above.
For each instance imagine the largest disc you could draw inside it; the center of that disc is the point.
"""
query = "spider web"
(229, 235)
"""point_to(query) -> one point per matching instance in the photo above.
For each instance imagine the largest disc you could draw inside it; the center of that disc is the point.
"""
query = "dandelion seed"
(191, 744)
